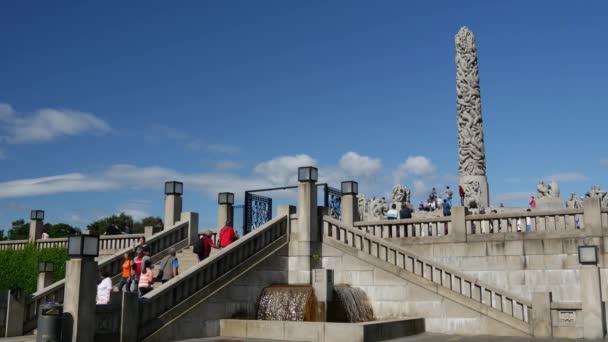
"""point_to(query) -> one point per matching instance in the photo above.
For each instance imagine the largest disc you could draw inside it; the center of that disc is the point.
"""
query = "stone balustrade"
(172, 298)
(176, 236)
(591, 221)
(457, 282)
(108, 244)
(417, 227)
(540, 221)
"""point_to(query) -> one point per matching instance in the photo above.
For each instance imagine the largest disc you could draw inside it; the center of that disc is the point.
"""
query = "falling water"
(355, 303)
(287, 303)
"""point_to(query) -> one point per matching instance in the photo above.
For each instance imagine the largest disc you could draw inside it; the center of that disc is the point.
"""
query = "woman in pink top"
(146, 279)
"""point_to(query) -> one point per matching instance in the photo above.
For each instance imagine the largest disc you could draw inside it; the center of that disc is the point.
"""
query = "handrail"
(186, 285)
(12, 244)
(160, 243)
(449, 278)
(531, 213)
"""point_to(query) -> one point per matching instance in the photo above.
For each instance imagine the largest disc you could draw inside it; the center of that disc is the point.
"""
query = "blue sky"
(100, 104)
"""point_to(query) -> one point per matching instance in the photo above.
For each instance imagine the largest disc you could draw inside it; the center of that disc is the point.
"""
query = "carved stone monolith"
(471, 149)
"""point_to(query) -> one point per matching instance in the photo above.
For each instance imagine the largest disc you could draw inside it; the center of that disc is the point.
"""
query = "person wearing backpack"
(202, 247)
(169, 267)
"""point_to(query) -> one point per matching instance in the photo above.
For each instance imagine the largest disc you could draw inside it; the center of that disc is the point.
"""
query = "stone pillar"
(15, 312)
(79, 299)
(44, 279)
(458, 232)
(323, 286)
(541, 314)
(225, 213)
(471, 148)
(148, 232)
(592, 216)
(192, 219)
(304, 234)
(349, 205)
(36, 226)
(593, 326)
(173, 209)
(129, 323)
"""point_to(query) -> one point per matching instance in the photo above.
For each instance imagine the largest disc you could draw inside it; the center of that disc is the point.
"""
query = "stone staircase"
(186, 258)
(490, 302)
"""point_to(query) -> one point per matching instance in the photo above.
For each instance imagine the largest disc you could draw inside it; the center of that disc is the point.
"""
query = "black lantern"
(45, 266)
(37, 215)
(587, 255)
(174, 188)
(308, 174)
(83, 246)
(350, 188)
(225, 198)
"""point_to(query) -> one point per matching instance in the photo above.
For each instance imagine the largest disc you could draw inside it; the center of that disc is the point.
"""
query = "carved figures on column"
(401, 195)
(552, 190)
(574, 202)
(471, 149)
(472, 193)
(371, 209)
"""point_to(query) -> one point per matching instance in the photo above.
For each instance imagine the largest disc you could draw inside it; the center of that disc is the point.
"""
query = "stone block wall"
(520, 265)
(237, 300)
(392, 296)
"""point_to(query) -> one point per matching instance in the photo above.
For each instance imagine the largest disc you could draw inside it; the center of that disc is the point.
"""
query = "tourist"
(461, 193)
(127, 266)
(227, 235)
(528, 223)
(128, 230)
(502, 205)
(205, 243)
(421, 207)
(449, 193)
(138, 262)
(104, 288)
(433, 194)
(405, 212)
(45, 234)
(447, 208)
(532, 202)
(146, 278)
(142, 244)
(392, 213)
(169, 267)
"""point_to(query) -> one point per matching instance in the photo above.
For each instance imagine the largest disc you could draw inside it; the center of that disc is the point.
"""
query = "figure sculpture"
(401, 194)
(574, 202)
(472, 190)
(597, 192)
(371, 209)
(362, 204)
(553, 189)
(541, 190)
(471, 149)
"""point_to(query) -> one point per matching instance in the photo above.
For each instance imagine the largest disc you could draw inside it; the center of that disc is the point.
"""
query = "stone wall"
(522, 265)
(239, 299)
(392, 296)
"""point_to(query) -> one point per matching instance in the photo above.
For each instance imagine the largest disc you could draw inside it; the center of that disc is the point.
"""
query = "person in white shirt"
(104, 289)
(392, 214)
(45, 235)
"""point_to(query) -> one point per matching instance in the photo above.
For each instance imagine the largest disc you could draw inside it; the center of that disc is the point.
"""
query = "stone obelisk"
(471, 149)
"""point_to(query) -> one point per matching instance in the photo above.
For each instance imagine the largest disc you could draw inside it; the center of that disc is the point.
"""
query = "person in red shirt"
(206, 244)
(227, 235)
(532, 202)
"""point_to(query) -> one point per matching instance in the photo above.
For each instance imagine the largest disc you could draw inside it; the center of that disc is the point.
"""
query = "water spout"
(355, 304)
(287, 303)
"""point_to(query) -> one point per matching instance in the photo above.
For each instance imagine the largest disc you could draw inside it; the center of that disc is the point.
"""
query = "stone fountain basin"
(322, 331)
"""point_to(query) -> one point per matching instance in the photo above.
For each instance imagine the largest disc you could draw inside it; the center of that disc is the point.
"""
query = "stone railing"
(108, 243)
(416, 227)
(171, 299)
(176, 236)
(494, 299)
(540, 221)
(12, 244)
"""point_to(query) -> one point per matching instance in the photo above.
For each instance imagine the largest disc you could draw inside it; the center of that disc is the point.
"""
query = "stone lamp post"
(45, 274)
(36, 225)
(225, 210)
(350, 209)
(173, 202)
(80, 288)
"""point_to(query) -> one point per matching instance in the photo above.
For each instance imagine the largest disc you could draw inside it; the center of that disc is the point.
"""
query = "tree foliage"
(19, 230)
(122, 221)
(20, 267)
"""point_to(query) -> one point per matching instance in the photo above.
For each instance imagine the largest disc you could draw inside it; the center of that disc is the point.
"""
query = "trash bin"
(49, 322)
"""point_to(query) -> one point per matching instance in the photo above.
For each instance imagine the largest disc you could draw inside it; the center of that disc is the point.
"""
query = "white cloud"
(283, 170)
(419, 166)
(72, 182)
(47, 124)
(136, 214)
(567, 177)
(357, 165)
(421, 188)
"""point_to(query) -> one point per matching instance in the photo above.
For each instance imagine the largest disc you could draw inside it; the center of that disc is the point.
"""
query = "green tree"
(100, 226)
(19, 230)
(60, 230)
(138, 227)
